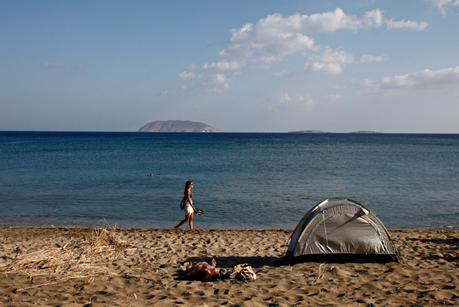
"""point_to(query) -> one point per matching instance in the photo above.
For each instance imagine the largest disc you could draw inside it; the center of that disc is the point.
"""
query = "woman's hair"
(187, 187)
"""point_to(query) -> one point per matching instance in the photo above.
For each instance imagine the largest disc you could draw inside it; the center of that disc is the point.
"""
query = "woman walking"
(187, 205)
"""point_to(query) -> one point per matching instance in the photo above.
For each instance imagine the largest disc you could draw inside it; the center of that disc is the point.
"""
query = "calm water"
(241, 180)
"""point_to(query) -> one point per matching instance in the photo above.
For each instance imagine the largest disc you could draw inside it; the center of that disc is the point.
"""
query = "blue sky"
(273, 66)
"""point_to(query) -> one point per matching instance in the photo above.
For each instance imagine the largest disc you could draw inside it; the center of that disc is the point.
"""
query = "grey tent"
(340, 230)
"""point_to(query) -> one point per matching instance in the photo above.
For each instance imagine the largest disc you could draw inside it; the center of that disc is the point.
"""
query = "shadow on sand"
(228, 262)
(254, 261)
(453, 242)
(451, 253)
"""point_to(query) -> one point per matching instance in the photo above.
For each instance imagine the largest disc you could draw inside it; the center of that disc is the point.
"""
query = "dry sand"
(59, 266)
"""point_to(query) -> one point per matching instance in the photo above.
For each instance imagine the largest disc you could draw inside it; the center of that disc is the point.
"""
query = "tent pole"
(325, 228)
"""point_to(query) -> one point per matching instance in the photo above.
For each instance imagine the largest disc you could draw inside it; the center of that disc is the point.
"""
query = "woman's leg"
(190, 220)
(182, 222)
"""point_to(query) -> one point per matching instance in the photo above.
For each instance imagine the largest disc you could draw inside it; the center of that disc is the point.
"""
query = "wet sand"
(146, 270)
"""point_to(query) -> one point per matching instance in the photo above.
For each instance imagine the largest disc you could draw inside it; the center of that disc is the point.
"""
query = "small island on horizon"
(307, 131)
(325, 132)
(177, 126)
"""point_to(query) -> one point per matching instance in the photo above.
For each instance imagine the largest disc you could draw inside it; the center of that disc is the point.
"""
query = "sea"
(241, 180)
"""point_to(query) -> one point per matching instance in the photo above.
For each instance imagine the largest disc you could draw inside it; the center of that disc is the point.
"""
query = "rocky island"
(366, 132)
(307, 131)
(325, 132)
(177, 126)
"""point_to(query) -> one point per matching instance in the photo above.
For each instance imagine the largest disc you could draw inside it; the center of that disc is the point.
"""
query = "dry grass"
(76, 259)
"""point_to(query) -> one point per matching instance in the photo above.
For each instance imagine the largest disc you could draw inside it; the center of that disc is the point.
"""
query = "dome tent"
(340, 230)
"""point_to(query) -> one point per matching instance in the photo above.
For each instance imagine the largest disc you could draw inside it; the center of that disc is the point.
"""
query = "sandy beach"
(69, 266)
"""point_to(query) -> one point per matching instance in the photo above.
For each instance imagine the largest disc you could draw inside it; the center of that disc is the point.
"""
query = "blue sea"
(241, 180)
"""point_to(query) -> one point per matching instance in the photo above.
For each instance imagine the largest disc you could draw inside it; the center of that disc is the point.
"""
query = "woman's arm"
(188, 197)
(192, 206)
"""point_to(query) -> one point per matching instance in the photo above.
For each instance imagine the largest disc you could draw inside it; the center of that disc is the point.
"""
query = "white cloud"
(315, 23)
(426, 78)
(334, 61)
(217, 80)
(286, 99)
(222, 65)
(213, 76)
(442, 5)
(308, 24)
(374, 18)
(406, 24)
(213, 81)
(275, 37)
(368, 58)
(284, 74)
(330, 61)
(187, 75)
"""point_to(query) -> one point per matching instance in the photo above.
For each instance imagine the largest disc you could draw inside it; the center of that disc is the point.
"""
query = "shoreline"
(185, 228)
(39, 266)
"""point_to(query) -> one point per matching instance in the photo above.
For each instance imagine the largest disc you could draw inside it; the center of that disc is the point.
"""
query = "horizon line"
(364, 132)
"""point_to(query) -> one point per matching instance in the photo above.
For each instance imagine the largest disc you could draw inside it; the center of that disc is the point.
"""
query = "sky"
(239, 66)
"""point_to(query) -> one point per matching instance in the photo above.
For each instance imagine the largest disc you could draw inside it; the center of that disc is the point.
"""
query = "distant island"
(319, 131)
(177, 126)
(307, 131)
(365, 132)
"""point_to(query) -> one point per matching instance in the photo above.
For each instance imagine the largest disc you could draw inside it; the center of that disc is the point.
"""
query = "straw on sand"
(76, 259)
